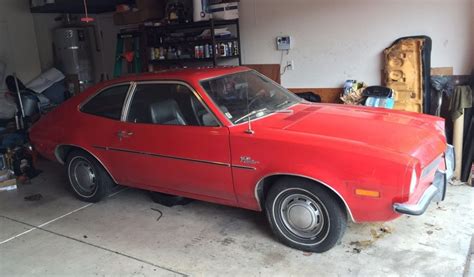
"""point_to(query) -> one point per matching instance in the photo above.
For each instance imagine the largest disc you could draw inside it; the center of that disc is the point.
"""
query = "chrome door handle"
(124, 134)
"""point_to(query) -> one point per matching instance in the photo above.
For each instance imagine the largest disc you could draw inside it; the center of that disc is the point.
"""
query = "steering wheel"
(258, 99)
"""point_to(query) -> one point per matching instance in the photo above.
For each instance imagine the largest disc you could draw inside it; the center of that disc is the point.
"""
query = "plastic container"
(6, 174)
(225, 11)
(200, 10)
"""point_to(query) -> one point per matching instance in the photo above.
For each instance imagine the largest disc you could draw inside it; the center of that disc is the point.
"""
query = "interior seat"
(167, 113)
(139, 113)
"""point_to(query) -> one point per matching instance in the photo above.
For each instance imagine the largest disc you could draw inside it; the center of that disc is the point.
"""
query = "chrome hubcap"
(302, 215)
(84, 177)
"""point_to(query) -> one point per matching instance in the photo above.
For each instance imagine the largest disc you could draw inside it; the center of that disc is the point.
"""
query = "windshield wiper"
(250, 114)
(282, 104)
(278, 108)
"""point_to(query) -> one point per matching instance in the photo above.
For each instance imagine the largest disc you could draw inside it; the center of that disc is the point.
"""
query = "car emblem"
(247, 160)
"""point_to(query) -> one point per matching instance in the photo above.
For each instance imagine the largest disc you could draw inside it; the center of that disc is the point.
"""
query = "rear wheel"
(87, 178)
(305, 215)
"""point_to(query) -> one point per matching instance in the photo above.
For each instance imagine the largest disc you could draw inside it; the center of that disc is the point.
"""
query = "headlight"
(413, 181)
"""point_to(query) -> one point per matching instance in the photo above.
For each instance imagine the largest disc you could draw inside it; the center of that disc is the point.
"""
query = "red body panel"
(342, 147)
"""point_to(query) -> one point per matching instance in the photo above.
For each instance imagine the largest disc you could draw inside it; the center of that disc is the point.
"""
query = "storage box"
(150, 4)
(225, 11)
(134, 17)
(147, 10)
(7, 180)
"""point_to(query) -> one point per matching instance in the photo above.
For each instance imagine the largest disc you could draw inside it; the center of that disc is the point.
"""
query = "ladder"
(128, 49)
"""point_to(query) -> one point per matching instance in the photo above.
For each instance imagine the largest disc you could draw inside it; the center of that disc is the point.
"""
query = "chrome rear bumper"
(436, 192)
(450, 161)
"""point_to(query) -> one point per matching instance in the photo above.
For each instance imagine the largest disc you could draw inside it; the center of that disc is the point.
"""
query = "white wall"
(337, 40)
(472, 35)
(44, 26)
(18, 47)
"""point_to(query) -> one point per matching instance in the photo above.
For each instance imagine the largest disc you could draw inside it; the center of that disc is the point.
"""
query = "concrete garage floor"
(128, 234)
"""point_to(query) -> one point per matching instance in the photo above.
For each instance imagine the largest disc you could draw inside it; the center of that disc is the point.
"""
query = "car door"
(98, 121)
(170, 142)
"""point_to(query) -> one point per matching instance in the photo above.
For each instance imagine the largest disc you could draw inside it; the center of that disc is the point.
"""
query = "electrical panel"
(284, 43)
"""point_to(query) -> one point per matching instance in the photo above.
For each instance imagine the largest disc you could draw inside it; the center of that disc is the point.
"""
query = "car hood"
(417, 135)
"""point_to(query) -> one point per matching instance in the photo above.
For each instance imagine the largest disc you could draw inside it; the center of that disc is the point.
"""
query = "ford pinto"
(232, 136)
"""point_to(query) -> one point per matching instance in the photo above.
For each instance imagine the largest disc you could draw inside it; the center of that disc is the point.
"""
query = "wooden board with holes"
(272, 71)
(442, 71)
(403, 74)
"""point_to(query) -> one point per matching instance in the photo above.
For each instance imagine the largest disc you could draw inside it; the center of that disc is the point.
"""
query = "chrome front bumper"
(435, 192)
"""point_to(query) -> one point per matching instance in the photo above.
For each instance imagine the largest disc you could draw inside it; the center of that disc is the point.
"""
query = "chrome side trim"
(244, 167)
(128, 99)
(450, 161)
(172, 82)
(259, 183)
(160, 155)
(61, 161)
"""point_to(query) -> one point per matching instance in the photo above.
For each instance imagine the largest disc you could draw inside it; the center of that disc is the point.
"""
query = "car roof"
(184, 74)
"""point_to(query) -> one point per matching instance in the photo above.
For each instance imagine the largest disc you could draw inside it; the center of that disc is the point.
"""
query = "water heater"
(73, 53)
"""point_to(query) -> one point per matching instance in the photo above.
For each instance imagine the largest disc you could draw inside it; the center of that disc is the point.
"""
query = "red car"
(232, 136)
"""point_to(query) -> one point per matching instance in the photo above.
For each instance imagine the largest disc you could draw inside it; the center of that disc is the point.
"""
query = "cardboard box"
(134, 17)
(150, 4)
(8, 185)
(147, 10)
(8, 180)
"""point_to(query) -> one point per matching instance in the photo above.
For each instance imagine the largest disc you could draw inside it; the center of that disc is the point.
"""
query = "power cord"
(281, 62)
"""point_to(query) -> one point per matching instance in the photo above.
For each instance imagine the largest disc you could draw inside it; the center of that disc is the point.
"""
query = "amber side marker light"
(368, 193)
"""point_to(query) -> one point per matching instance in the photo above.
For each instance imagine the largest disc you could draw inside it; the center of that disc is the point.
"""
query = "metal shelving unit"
(186, 37)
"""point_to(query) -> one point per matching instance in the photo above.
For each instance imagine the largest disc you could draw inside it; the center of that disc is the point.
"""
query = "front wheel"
(305, 215)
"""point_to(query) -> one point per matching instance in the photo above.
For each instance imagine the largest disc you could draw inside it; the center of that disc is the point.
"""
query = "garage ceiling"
(77, 6)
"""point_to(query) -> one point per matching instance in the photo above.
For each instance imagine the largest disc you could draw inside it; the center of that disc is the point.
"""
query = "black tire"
(313, 220)
(168, 200)
(80, 162)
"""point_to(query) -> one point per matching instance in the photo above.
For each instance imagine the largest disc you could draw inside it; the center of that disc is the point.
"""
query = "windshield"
(248, 95)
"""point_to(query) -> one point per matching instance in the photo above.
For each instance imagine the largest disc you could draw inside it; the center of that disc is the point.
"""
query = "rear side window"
(107, 103)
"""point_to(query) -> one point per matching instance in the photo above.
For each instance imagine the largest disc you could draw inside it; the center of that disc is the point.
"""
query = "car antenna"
(249, 129)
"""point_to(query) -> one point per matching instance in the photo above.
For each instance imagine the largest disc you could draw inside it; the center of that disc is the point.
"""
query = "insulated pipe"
(458, 144)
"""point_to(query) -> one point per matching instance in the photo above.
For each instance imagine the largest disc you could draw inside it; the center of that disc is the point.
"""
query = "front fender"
(340, 165)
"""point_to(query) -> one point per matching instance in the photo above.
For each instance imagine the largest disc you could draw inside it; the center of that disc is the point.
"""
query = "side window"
(168, 104)
(107, 103)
